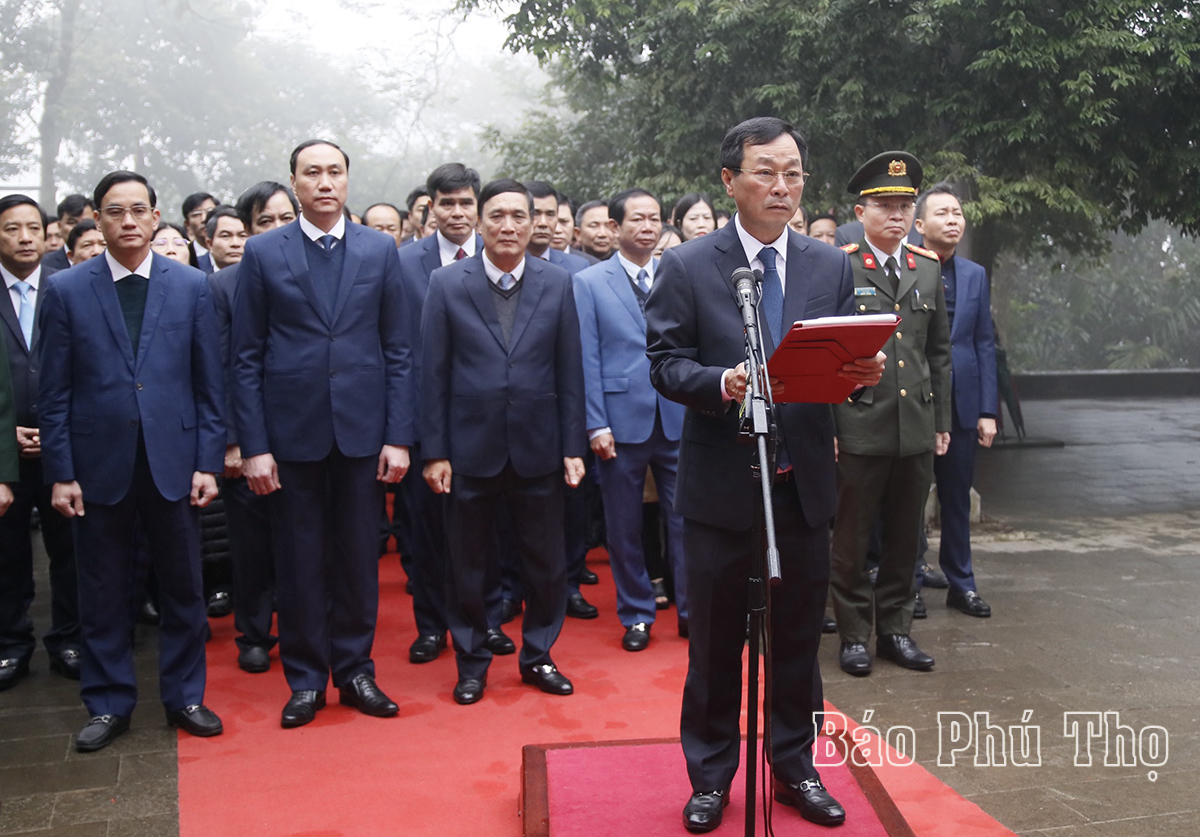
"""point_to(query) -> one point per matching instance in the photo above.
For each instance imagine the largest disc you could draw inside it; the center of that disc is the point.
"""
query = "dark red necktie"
(461, 254)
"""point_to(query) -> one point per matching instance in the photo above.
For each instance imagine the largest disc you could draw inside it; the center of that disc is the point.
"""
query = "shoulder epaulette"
(929, 254)
(850, 248)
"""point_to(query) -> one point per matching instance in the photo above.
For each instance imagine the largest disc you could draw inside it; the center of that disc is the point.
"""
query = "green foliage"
(1066, 118)
(1137, 308)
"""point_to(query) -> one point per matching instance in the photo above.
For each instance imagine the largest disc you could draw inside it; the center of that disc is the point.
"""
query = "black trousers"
(536, 507)
(426, 514)
(325, 529)
(248, 518)
(16, 570)
(718, 568)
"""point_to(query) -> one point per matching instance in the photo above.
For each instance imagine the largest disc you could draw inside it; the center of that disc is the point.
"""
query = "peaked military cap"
(889, 173)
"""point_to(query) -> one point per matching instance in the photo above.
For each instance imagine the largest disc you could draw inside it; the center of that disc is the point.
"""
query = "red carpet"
(443, 769)
(575, 796)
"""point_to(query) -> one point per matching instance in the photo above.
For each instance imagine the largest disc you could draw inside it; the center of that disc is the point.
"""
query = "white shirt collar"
(447, 249)
(314, 233)
(632, 269)
(882, 257)
(494, 273)
(32, 279)
(752, 245)
(119, 271)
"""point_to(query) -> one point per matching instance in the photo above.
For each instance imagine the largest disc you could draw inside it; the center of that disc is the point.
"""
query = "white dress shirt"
(448, 250)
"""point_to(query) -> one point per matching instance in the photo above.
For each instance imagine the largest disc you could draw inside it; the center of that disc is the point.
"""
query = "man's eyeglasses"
(791, 177)
(166, 242)
(139, 211)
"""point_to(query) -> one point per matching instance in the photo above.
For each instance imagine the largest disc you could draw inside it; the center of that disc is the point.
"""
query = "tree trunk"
(50, 131)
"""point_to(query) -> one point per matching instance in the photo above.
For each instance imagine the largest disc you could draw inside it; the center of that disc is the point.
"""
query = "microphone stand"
(758, 423)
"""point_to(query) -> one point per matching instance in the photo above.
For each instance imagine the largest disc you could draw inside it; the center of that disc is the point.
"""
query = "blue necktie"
(25, 314)
(507, 281)
(643, 283)
(327, 241)
(772, 312)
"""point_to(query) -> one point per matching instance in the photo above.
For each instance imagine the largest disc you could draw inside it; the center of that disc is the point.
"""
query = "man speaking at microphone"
(696, 346)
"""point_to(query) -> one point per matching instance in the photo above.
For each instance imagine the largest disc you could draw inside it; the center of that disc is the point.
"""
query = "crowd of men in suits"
(500, 358)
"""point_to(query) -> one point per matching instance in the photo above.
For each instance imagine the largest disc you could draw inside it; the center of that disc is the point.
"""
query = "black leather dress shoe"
(588, 577)
(919, 609)
(302, 707)
(578, 607)
(469, 690)
(197, 720)
(855, 659)
(99, 732)
(661, 601)
(509, 608)
(902, 651)
(425, 649)
(637, 637)
(498, 643)
(969, 603)
(66, 662)
(828, 625)
(812, 800)
(11, 672)
(254, 659)
(935, 578)
(704, 810)
(549, 679)
(683, 627)
(366, 697)
(220, 604)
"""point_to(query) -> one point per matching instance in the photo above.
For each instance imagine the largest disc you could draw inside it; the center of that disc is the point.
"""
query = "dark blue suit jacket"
(616, 371)
(972, 345)
(22, 359)
(95, 395)
(222, 285)
(305, 379)
(56, 260)
(418, 260)
(695, 332)
(568, 261)
(485, 405)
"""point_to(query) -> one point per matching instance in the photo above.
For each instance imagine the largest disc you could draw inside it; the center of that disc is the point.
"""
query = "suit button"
(862, 308)
(899, 336)
(900, 364)
(333, 374)
(512, 366)
(139, 385)
(903, 393)
(333, 337)
(897, 306)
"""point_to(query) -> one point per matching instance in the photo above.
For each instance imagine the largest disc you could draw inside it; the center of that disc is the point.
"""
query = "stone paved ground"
(1090, 564)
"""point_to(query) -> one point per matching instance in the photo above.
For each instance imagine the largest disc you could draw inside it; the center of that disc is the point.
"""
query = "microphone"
(745, 284)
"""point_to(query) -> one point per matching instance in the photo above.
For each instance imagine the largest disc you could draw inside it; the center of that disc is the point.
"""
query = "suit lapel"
(431, 259)
(476, 282)
(14, 325)
(618, 280)
(110, 307)
(354, 254)
(297, 262)
(732, 256)
(797, 289)
(156, 296)
(533, 284)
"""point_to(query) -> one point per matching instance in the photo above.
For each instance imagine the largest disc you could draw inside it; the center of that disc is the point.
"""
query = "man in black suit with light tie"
(21, 236)
(324, 417)
(695, 343)
(503, 418)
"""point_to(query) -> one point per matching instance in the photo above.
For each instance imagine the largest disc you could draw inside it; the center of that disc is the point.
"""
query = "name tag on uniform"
(864, 291)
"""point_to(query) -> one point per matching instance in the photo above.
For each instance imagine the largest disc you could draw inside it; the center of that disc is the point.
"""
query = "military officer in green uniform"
(887, 435)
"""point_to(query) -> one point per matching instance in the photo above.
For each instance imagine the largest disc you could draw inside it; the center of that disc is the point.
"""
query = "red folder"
(812, 353)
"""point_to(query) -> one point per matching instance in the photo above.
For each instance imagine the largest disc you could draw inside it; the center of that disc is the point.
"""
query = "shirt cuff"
(599, 431)
(725, 396)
